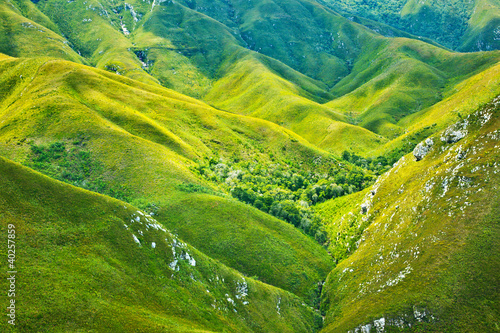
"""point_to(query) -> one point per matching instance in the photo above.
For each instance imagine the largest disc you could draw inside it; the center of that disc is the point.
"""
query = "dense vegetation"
(74, 165)
(286, 191)
(381, 163)
(237, 135)
(445, 203)
(451, 23)
(103, 265)
(132, 130)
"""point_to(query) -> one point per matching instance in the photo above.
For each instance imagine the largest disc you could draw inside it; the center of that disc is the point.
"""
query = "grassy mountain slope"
(482, 33)
(424, 260)
(22, 36)
(465, 98)
(89, 262)
(387, 79)
(261, 93)
(252, 88)
(458, 24)
(256, 58)
(175, 45)
(144, 141)
(244, 81)
(98, 32)
(398, 77)
(289, 31)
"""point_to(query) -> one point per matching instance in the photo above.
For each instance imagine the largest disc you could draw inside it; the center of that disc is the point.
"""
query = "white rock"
(136, 239)
(422, 149)
(379, 325)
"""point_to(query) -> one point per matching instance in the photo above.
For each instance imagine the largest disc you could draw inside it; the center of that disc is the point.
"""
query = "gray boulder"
(456, 132)
(422, 149)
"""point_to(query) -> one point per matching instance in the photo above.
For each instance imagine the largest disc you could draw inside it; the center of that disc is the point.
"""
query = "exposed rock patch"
(456, 132)
(422, 149)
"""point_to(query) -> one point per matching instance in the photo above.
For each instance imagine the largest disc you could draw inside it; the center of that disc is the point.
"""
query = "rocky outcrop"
(422, 149)
(456, 132)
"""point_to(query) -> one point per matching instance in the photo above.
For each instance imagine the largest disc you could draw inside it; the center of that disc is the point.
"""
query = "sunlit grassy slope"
(387, 79)
(147, 139)
(463, 99)
(135, 98)
(279, 61)
(252, 88)
(26, 32)
(87, 262)
(396, 78)
(425, 259)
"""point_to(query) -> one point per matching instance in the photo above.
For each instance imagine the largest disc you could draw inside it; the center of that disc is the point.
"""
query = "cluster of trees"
(380, 164)
(285, 191)
(71, 163)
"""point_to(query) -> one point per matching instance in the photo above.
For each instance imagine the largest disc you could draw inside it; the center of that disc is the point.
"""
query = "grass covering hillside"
(460, 101)
(482, 33)
(396, 78)
(174, 45)
(89, 262)
(26, 32)
(424, 257)
(233, 124)
(98, 31)
(279, 61)
(138, 142)
(458, 24)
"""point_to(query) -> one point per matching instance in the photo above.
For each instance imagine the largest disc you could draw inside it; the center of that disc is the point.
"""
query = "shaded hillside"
(461, 25)
(253, 131)
(279, 61)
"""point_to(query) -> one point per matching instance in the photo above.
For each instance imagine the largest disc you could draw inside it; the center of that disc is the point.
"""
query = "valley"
(251, 166)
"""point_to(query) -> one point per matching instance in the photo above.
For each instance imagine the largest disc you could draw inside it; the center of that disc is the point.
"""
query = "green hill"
(295, 63)
(26, 32)
(253, 131)
(89, 262)
(424, 260)
(140, 143)
(458, 24)
(401, 77)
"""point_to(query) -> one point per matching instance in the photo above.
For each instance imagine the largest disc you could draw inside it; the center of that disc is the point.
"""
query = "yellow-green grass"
(29, 10)
(147, 138)
(79, 269)
(389, 80)
(343, 233)
(24, 37)
(396, 78)
(254, 89)
(179, 46)
(337, 136)
(248, 240)
(463, 98)
(177, 63)
(425, 259)
(95, 31)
